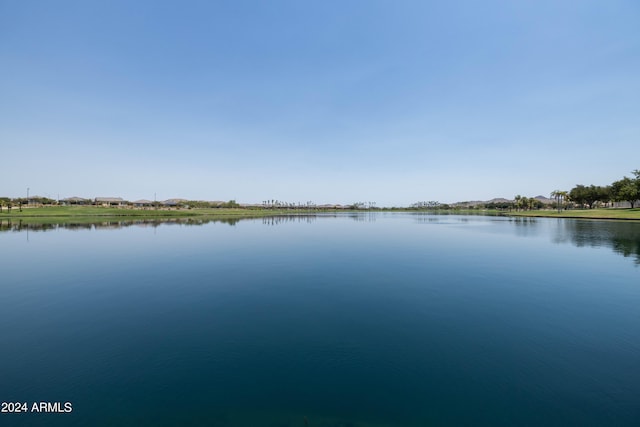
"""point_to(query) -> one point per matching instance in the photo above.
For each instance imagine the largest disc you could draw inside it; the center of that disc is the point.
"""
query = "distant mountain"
(467, 204)
(498, 200)
(544, 200)
(474, 203)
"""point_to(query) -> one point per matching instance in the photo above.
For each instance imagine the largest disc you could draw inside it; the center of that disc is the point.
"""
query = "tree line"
(581, 196)
(623, 190)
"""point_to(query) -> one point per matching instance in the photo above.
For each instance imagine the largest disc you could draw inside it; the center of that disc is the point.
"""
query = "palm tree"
(531, 202)
(556, 194)
(560, 197)
(518, 200)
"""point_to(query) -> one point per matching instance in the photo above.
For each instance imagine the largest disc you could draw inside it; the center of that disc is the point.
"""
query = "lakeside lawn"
(610, 213)
(101, 212)
(59, 213)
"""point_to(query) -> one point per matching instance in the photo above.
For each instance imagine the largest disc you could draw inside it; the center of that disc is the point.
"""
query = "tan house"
(109, 201)
(143, 203)
(75, 201)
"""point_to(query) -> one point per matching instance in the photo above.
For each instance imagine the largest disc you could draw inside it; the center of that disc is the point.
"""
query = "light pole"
(27, 196)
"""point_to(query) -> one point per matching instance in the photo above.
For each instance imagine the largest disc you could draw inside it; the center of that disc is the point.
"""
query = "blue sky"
(332, 101)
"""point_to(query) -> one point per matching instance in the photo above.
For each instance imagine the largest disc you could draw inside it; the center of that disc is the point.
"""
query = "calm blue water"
(361, 320)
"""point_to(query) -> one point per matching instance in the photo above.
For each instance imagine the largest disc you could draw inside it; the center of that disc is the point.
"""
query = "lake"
(373, 319)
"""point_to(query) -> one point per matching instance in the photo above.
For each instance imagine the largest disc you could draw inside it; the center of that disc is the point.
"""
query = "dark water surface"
(361, 320)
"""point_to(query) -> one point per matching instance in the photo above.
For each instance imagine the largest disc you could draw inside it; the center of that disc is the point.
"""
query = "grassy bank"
(612, 213)
(77, 212)
(61, 213)
(43, 217)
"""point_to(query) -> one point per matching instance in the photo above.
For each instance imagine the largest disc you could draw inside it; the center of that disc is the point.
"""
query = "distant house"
(75, 201)
(142, 203)
(109, 201)
(625, 204)
(36, 200)
(173, 202)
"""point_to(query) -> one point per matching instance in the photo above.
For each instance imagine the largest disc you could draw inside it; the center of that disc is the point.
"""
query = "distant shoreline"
(62, 212)
(625, 214)
(69, 212)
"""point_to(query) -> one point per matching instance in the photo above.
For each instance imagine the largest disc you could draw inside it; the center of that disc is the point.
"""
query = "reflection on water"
(621, 236)
(525, 227)
(386, 319)
(281, 219)
(20, 225)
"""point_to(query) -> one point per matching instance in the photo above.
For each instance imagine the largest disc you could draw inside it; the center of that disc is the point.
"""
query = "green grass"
(611, 213)
(77, 211)
(101, 212)
(88, 214)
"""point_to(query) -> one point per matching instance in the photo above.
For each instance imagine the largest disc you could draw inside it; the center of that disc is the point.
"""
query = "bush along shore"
(606, 213)
(113, 212)
(61, 213)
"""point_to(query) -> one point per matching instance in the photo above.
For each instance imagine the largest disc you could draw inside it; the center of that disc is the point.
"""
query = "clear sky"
(324, 101)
